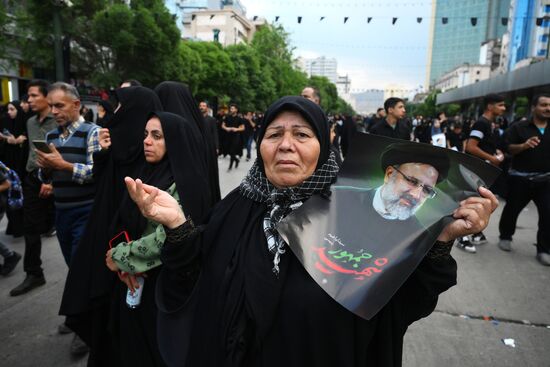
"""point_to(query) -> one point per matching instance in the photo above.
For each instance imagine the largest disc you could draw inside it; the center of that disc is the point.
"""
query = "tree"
(217, 72)
(272, 46)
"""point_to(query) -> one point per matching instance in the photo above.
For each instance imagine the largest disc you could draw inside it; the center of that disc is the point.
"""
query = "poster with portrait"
(391, 201)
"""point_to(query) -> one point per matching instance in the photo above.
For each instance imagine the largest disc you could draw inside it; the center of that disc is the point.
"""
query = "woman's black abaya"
(219, 287)
(135, 330)
(15, 156)
(87, 294)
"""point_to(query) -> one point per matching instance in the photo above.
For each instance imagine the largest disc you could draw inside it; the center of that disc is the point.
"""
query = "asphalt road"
(499, 295)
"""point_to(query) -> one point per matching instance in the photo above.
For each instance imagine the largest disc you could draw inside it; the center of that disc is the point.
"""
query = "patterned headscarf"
(280, 202)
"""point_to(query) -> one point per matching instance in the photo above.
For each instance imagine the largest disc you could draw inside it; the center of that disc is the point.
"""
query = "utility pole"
(59, 72)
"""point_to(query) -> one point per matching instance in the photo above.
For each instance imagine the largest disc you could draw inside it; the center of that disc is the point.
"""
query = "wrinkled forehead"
(426, 173)
(288, 119)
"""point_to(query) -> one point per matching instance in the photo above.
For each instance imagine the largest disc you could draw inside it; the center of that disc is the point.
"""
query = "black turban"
(400, 153)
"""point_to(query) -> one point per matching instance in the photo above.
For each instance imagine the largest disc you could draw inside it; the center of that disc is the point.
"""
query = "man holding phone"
(67, 161)
(68, 165)
(38, 202)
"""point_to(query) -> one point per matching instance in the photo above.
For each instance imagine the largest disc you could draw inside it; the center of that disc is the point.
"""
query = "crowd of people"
(163, 271)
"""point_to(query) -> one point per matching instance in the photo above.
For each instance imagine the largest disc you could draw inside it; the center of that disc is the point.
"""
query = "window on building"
(477, 72)
(541, 52)
(544, 38)
(477, 80)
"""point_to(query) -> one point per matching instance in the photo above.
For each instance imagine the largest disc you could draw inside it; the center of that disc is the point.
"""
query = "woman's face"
(12, 111)
(154, 146)
(100, 111)
(290, 150)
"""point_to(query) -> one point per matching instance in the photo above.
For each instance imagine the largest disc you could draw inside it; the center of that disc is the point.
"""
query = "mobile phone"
(42, 146)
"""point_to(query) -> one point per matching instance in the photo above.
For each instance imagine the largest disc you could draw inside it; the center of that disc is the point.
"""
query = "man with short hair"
(234, 126)
(312, 94)
(393, 126)
(37, 204)
(483, 143)
(211, 125)
(69, 165)
(529, 176)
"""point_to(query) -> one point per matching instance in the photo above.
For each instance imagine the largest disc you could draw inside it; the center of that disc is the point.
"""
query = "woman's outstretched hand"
(472, 216)
(155, 204)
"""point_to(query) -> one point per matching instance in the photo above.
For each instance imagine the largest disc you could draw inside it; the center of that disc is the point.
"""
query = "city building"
(463, 75)
(369, 101)
(182, 9)
(226, 26)
(525, 40)
(454, 40)
(490, 54)
(320, 66)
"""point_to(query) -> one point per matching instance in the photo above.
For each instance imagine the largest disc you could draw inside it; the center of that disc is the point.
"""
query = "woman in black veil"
(177, 98)
(89, 285)
(174, 162)
(14, 156)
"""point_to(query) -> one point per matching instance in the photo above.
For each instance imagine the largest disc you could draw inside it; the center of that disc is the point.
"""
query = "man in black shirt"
(393, 126)
(483, 143)
(529, 176)
(211, 125)
(456, 138)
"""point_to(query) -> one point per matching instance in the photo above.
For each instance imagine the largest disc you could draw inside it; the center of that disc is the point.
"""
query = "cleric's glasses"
(427, 190)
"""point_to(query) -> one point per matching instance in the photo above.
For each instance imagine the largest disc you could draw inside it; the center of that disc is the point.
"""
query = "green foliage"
(112, 41)
(451, 109)
(522, 107)
(427, 109)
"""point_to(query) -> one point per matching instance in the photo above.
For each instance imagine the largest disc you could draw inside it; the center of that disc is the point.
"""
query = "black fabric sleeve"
(180, 257)
(479, 126)
(418, 296)
(100, 161)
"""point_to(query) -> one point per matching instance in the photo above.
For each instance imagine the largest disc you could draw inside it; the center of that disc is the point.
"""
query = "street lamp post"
(59, 73)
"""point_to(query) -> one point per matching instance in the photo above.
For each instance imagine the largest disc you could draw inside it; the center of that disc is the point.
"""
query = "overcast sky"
(374, 55)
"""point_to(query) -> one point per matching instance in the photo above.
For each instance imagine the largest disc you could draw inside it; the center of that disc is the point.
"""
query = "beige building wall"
(233, 27)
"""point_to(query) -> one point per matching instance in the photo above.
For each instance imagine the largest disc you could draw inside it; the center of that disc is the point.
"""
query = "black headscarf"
(18, 125)
(177, 98)
(106, 119)
(128, 123)
(182, 164)
(309, 111)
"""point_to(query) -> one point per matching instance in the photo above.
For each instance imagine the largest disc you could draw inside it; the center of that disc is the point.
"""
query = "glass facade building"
(455, 40)
(527, 39)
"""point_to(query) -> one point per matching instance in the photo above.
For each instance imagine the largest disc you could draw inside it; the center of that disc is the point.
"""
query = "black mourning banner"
(391, 201)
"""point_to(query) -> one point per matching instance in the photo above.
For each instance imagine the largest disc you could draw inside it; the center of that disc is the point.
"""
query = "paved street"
(512, 288)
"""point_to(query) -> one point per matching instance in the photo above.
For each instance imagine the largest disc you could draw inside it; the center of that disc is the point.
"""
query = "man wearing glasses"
(410, 176)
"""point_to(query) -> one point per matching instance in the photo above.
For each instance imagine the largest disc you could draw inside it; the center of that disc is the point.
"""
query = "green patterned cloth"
(143, 254)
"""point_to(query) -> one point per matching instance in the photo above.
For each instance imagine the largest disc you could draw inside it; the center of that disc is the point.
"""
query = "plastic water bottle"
(133, 300)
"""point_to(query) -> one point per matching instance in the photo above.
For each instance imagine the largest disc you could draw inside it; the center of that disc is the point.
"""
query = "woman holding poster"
(239, 295)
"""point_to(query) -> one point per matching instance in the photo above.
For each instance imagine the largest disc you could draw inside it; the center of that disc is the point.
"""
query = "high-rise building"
(455, 40)
(525, 39)
(321, 66)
